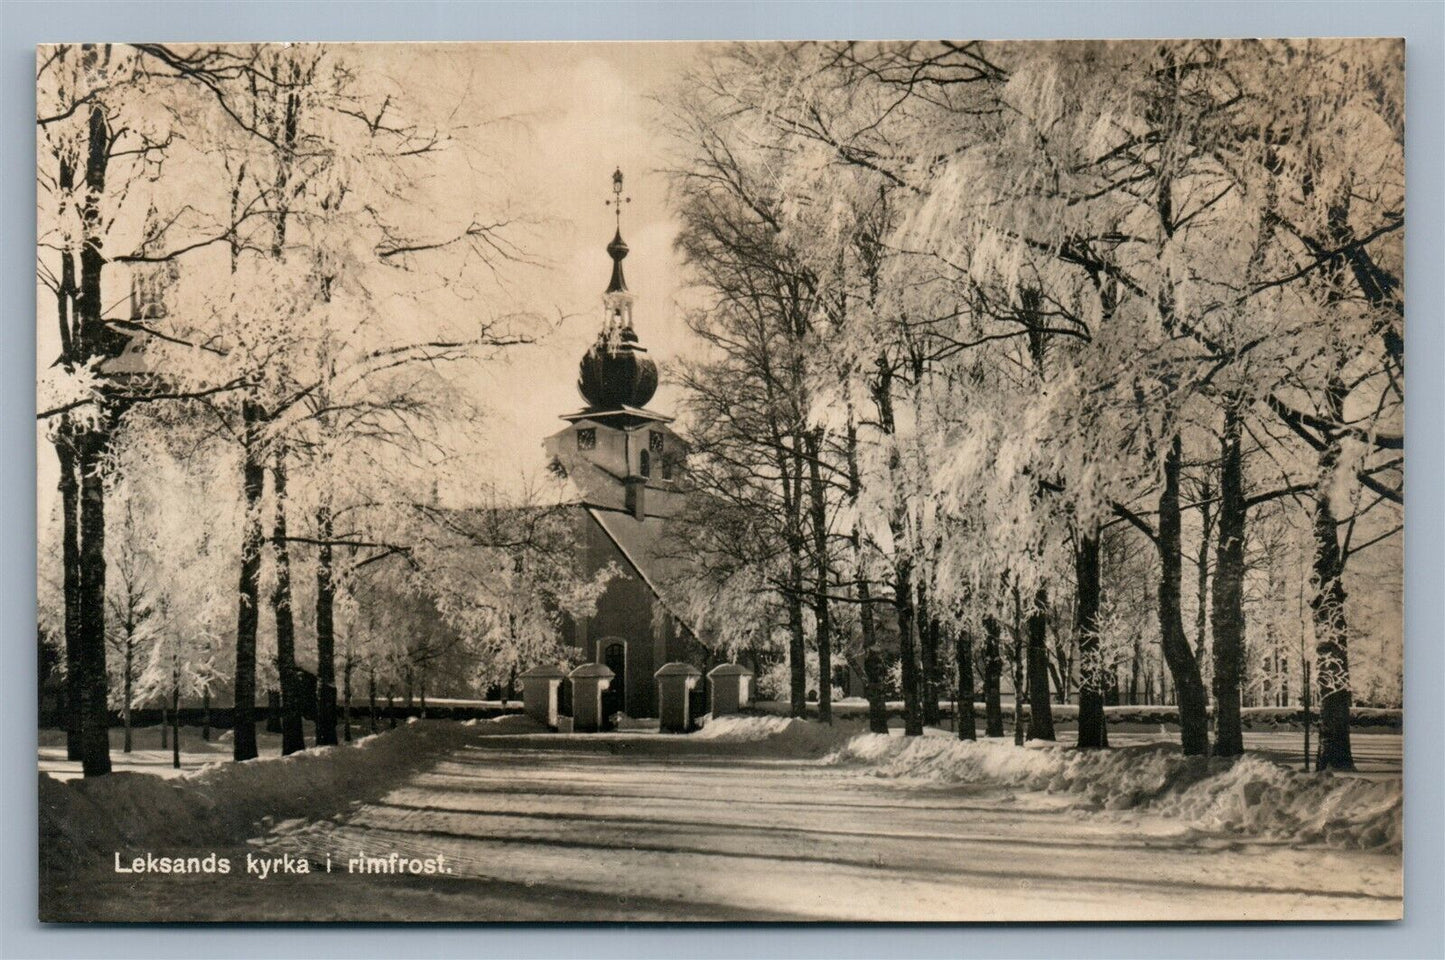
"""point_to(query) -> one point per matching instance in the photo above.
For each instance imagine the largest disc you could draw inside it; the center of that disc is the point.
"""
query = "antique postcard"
(836, 481)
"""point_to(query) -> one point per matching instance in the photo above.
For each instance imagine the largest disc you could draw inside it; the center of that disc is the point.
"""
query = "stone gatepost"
(539, 693)
(674, 682)
(729, 683)
(588, 682)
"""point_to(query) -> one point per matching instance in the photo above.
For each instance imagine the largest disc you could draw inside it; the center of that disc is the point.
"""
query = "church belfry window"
(645, 464)
(587, 439)
(654, 441)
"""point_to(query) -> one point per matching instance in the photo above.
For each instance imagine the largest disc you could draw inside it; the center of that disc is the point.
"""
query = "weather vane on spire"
(617, 198)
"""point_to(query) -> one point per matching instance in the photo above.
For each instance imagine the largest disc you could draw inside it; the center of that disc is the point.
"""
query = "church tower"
(622, 463)
(615, 440)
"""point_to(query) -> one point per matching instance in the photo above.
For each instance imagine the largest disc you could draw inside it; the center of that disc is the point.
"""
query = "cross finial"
(617, 198)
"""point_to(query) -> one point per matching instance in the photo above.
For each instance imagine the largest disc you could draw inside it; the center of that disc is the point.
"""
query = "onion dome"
(617, 372)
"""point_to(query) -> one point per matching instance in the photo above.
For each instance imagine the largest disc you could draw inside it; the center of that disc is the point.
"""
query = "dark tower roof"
(616, 372)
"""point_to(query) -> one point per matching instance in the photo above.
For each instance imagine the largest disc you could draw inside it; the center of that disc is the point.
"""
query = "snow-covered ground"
(752, 818)
(148, 756)
(223, 801)
(1251, 796)
(1379, 751)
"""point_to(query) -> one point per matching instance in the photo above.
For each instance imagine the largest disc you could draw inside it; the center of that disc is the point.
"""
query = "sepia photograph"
(837, 481)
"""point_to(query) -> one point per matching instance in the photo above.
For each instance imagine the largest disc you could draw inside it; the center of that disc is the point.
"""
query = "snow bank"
(223, 802)
(788, 736)
(1247, 797)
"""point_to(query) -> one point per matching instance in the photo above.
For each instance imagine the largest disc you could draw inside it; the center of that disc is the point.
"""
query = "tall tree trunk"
(1136, 666)
(371, 695)
(64, 441)
(1327, 603)
(206, 714)
(1193, 703)
(292, 735)
(96, 340)
(175, 712)
(902, 564)
(70, 561)
(1018, 668)
(1201, 612)
(875, 681)
(992, 678)
(934, 684)
(797, 643)
(273, 710)
(907, 647)
(792, 479)
(818, 509)
(1041, 711)
(963, 655)
(874, 675)
(128, 685)
(95, 715)
(345, 706)
(1228, 612)
(325, 631)
(928, 630)
(1093, 727)
(253, 482)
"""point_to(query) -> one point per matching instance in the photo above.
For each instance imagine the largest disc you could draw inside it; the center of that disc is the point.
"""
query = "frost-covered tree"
(1088, 288)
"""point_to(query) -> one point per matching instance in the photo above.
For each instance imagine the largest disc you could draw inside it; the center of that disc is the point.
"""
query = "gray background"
(23, 24)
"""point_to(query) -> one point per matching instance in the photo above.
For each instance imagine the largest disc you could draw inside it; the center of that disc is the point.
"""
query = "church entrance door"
(614, 698)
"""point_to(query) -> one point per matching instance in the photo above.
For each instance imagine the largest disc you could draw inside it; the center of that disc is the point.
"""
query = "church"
(623, 468)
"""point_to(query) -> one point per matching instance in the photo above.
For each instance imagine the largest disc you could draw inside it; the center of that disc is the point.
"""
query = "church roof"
(646, 547)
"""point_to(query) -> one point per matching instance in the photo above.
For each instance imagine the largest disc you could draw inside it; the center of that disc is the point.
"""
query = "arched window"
(645, 464)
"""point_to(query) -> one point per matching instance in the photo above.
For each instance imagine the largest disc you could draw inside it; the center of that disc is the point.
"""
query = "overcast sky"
(583, 110)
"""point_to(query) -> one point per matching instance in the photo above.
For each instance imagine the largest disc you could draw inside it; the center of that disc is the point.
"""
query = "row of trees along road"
(255, 294)
(1000, 337)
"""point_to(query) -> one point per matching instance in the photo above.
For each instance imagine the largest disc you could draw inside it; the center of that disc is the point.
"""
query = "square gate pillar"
(539, 693)
(674, 682)
(729, 683)
(588, 682)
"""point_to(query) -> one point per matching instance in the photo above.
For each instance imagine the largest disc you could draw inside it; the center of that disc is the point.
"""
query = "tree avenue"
(1063, 374)
(1082, 342)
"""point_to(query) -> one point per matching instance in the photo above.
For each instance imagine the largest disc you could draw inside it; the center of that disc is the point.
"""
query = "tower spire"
(617, 249)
